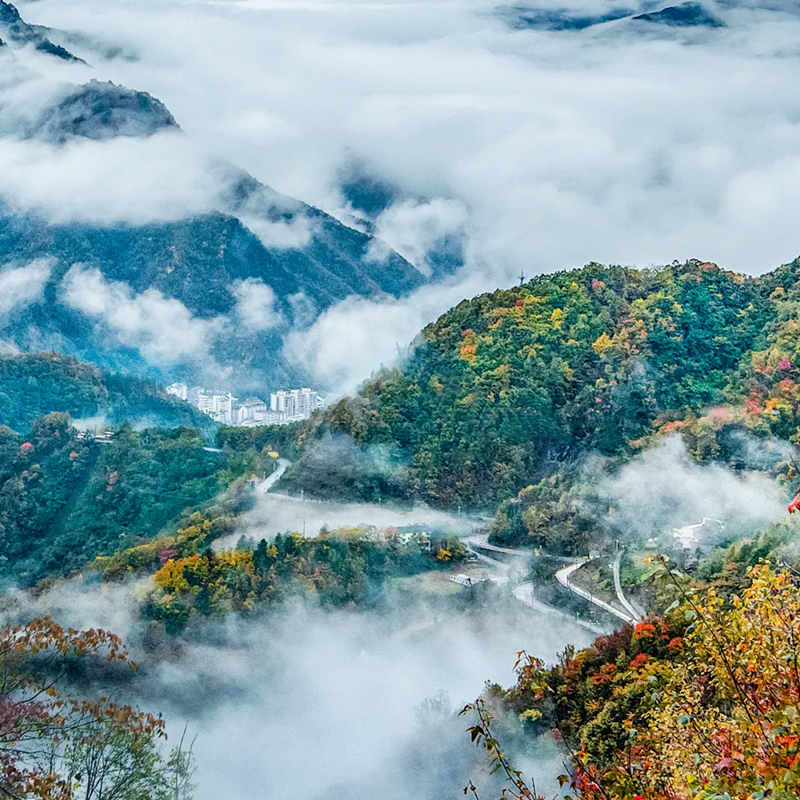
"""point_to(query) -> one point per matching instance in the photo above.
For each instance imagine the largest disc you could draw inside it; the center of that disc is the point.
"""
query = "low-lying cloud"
(127, 179)
(622, 143)
(355, 338)
(413, 228)
(664, 488)
(161, 328)
(21, 286)
(321, 703)
(282, 235)
(255, 305)
(280, 513)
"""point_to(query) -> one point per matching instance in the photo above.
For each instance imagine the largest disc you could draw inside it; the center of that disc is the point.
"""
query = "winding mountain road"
(271, 480)
(478, 544)
(626, 604)
(563, 577)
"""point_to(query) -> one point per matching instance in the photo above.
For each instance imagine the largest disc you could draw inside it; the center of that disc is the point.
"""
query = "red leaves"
(644, 630)
(33, 714)
(724, 765)
(167, 554)
(597, 285)
(676, 644)
(604, 675)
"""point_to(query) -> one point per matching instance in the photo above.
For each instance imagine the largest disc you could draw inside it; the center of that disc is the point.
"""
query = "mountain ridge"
(512, 386)
(33, 385)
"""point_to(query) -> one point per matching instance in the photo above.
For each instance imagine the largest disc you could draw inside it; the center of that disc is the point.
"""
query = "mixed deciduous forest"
(511, 388)
(496, 407)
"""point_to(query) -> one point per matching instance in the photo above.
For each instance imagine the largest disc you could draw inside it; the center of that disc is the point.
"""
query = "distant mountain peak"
(20, 33)
(522, 17)
(100, 111)
(684, 15)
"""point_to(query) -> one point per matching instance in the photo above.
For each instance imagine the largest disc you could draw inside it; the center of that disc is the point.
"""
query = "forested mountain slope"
(35, 384)
(205, 264)
(507, 388)
(241, 267)
(65, 500)
(19, 34)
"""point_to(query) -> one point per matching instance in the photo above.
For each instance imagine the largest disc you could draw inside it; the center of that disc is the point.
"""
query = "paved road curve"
(479, 545)
(563, 577)
(271, 480)
(628, 606)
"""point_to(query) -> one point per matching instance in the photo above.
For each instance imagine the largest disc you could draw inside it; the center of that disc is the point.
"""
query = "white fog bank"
(625, 142)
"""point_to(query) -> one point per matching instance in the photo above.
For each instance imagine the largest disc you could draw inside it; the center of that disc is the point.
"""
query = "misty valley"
(399, 400)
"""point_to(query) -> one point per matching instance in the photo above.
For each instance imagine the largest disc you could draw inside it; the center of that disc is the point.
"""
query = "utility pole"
(521, 278)
(303, 501)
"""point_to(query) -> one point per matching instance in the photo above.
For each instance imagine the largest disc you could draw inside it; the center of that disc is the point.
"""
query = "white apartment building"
(218, 405)
(295, 403)
(284, 406)
(179, 390)
(251, 411)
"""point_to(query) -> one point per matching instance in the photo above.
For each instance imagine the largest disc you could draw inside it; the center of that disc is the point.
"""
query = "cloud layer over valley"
(625, 141)
(320, 703)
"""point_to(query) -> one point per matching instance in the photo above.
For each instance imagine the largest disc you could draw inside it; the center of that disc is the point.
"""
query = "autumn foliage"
(58, 746)
(709, 714)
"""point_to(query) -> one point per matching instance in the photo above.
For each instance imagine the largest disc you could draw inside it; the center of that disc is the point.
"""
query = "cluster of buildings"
(687, 542)
(284, 406)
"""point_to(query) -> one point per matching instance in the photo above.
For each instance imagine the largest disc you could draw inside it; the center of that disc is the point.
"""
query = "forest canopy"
(506, 389)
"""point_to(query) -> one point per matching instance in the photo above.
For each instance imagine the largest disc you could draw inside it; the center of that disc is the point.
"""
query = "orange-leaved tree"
(56, 745)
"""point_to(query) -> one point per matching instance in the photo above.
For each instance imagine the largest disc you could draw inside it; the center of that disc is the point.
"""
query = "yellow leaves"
(469, 345)
(171, 576)
(468, 351)
(557, 318)
(601, 343)
(729, 710)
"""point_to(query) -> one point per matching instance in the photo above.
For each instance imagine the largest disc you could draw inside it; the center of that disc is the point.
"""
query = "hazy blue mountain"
(683, 16)
(17, 32)
(368, 195)
(557, 19)
(101, 111)
(198, 261)
(294, 260)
